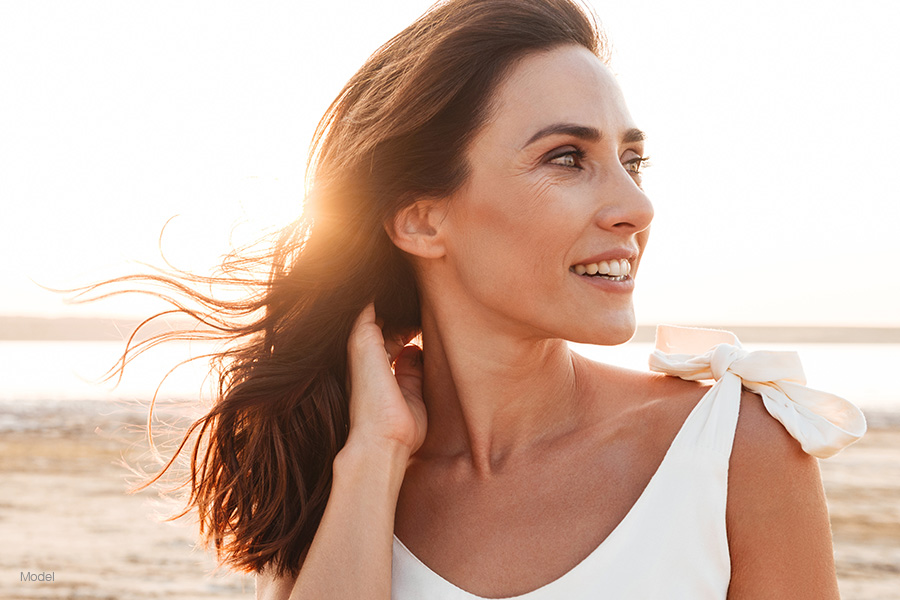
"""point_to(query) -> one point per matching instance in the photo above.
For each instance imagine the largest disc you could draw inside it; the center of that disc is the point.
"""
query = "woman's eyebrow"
(633, 135)
(590, 134)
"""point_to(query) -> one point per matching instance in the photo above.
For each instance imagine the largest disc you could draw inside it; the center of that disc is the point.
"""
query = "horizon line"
(95, 328)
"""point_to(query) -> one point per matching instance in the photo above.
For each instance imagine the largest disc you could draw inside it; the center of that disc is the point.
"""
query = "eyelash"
(642, 162)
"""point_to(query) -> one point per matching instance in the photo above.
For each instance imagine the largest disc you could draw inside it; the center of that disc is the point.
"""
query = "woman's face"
(554, 194)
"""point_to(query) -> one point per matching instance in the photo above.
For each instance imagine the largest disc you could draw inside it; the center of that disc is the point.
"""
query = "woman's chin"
(613, 331)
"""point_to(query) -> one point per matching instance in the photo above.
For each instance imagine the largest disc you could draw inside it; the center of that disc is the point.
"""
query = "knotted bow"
(823, 423)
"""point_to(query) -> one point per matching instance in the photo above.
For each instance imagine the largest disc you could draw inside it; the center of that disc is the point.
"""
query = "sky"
(772, 128)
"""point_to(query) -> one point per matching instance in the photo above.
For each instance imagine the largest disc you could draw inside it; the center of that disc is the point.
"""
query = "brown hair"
(260, 467)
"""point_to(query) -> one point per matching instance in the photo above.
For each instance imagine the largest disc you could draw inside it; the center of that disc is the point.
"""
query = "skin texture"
(494, 259)
(504, 440)
(777, 519)
(521, 432)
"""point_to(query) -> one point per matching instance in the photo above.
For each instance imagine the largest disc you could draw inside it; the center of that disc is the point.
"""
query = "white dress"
(672, 544)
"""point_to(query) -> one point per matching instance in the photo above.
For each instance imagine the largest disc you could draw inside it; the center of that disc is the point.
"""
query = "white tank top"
(672, 544)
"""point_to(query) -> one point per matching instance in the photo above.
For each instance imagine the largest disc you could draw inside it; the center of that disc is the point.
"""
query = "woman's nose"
(623, 205)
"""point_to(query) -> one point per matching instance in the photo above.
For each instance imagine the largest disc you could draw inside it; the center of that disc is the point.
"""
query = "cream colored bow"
(823, 423)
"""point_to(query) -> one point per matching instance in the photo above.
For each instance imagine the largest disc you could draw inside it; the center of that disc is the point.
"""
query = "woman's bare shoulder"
(654, 398)
(777, 520)
(648, 382)
(761, 439)
(767, 467)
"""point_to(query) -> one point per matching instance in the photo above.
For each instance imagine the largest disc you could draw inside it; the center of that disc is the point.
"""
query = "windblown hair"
(260, 466)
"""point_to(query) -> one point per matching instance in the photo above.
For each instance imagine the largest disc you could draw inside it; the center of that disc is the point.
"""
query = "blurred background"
(772, 133)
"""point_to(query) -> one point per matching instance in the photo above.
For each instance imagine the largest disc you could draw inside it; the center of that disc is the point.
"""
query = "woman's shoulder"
(776, 515)
(659, 402)
(636, 386)
(767, 464)
(759, 441)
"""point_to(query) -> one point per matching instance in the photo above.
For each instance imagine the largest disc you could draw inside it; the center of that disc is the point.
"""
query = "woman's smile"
(620, 284)
(610, 271)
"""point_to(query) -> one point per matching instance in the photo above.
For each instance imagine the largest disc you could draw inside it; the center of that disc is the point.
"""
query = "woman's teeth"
(617, 270)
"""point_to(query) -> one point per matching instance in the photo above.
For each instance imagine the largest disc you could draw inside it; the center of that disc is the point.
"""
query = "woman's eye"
(570, 158)
(635, 165)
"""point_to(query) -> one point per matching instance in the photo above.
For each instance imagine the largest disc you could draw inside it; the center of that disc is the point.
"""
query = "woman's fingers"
(385, 404)
(394, 344)
(366, 336)
(408, 372)
(366, 350)
(367, 315)
(393, 349)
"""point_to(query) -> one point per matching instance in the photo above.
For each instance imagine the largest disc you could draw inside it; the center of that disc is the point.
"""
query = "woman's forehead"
(568, 84)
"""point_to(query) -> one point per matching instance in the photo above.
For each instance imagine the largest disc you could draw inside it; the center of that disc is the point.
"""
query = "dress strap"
(823, 423)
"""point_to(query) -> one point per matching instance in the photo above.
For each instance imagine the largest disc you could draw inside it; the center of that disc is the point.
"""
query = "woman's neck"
(493, 396)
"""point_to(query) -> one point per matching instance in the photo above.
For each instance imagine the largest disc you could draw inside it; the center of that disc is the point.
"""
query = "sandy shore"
(64, 510)
(862, 485)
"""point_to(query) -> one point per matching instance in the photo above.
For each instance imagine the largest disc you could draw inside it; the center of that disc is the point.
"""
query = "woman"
(478, 182)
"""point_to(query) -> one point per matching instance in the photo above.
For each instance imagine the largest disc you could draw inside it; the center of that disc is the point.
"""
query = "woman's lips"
(620, 284)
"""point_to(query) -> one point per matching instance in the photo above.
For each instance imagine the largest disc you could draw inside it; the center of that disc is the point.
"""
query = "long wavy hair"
(261, 458)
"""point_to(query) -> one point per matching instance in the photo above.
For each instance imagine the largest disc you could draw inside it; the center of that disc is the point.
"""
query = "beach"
(862, 485)
(65, 513)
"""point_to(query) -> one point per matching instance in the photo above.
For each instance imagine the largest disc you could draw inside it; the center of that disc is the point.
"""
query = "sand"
(862, 485)
(64, 511)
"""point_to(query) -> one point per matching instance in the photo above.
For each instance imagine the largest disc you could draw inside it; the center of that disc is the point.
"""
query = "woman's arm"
(778, 529)
(350, 555)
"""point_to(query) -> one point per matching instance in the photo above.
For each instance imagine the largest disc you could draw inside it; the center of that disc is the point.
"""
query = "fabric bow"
(823, 423)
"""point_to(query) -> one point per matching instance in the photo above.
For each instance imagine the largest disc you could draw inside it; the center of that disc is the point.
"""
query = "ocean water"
(66, 371)
(43, 380)
(861, 373)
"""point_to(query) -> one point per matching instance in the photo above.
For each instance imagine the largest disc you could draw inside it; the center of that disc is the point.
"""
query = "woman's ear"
(416, 228)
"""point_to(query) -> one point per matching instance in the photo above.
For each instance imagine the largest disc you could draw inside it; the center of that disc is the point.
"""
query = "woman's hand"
(385, 407)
